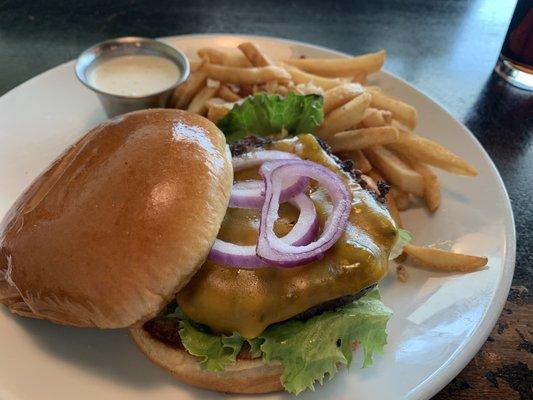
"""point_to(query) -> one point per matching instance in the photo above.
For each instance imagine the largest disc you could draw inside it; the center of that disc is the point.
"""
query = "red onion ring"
(251, 193)
(305, 229)
(258, 157)
(303, 232)
(275, 251)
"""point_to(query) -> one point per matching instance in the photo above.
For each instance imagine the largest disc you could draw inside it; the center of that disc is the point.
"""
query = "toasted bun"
(118, 223)
(246, 376)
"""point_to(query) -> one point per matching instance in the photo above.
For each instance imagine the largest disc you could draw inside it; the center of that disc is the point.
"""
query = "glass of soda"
(515, 63)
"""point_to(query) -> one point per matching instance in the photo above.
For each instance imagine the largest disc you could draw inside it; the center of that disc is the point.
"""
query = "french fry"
(369, 63)
(398, 125)
(198, 103)
(185, 92)
(218, 101)
(227, 94)
(299, 76)
(417, 148)
(442, 260)
(432, 193)
(371, 183)
(358, 139)
(283, 89)
(374, 174)
(217, 109)
(345, 117)
(361, 162)
(256, 57)
(340, 95)
(195, 65)
(431, 185)
(229, 57)
(401, 198)
(174, 96)
(245, 76)
(403, 112)
(307, 88)
(360, 77)
(271, 87)
(374, 118)
(395, 170)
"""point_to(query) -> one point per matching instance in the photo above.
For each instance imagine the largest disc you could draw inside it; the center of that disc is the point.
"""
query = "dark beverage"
(515, 63)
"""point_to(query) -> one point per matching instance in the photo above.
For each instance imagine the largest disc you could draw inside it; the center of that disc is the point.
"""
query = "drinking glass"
(515, 63)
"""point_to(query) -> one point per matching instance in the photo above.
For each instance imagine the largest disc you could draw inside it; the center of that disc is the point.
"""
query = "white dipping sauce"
(134, 76)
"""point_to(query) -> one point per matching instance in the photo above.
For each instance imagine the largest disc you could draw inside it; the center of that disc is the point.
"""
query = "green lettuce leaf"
(310, 349)
(264, 114)
(215, 351)
(255, 347)
(404, 237)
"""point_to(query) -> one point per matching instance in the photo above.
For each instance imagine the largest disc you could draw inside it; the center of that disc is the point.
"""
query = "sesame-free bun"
(246, 376)
(119, 223)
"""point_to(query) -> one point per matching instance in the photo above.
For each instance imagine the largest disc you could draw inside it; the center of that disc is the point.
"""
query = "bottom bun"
(246, 376)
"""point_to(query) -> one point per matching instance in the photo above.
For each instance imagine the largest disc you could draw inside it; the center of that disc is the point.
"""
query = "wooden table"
(447, 49)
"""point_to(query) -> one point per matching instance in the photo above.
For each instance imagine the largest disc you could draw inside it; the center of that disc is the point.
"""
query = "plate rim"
(463, 355)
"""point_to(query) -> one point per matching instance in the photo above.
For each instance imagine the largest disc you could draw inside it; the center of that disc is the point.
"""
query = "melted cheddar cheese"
(248, 300)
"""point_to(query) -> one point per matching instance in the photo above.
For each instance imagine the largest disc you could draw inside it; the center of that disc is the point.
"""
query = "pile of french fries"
(361, 123)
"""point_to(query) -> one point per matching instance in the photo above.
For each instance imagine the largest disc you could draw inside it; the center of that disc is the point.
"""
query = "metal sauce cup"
(126, 46)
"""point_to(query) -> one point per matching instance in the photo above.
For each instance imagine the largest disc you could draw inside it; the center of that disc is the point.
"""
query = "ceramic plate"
(440, 320)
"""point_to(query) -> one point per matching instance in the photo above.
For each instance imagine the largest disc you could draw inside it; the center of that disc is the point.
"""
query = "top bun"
(109, 232)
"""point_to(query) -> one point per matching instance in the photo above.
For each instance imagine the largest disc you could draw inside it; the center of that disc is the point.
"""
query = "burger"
(247, 268)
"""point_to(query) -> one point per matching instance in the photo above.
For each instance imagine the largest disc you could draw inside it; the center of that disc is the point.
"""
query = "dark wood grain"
(447, 49)
(500, 370)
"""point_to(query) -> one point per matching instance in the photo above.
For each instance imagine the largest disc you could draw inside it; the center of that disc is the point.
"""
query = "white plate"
(440, 320)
